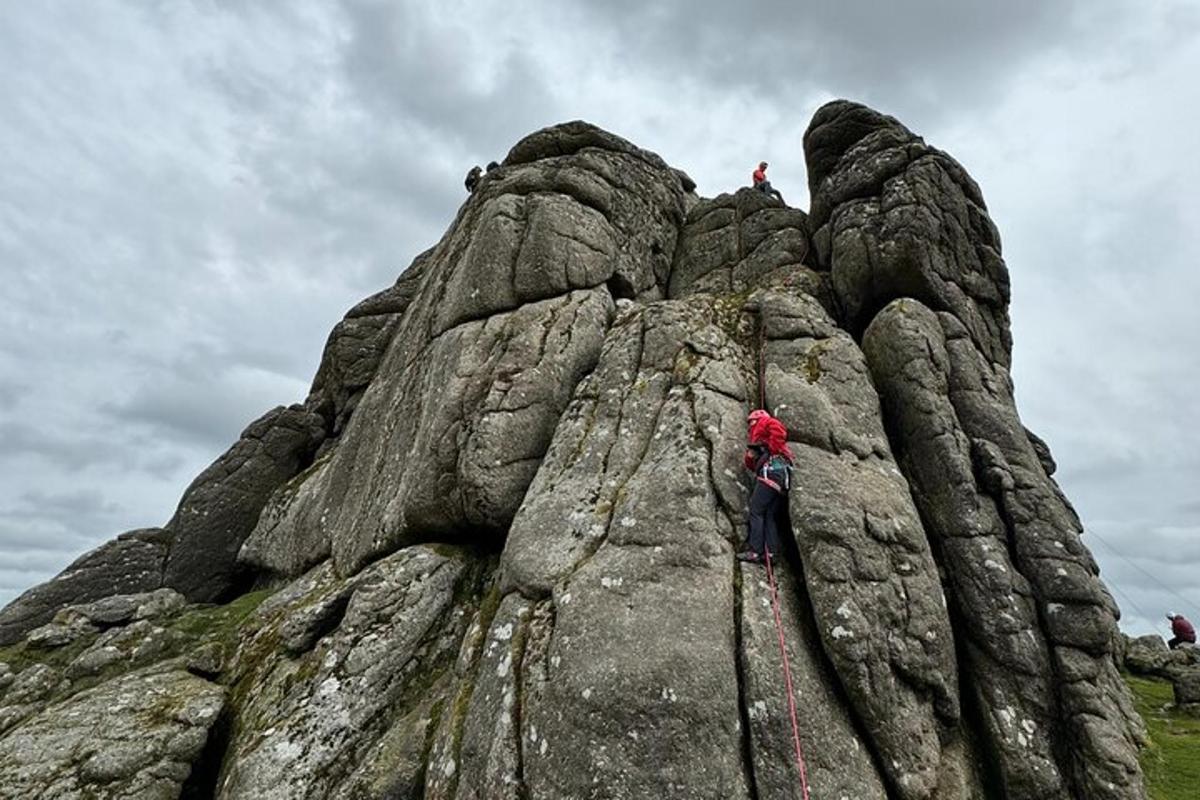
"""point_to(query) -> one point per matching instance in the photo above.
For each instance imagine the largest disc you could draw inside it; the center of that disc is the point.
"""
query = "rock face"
(154, 727)
(133, 562)
(221, 507)
(498, 535)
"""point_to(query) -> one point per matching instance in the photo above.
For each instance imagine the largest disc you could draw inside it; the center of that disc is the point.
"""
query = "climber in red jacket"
(769, 459)
(1181, 630)
(762, 184)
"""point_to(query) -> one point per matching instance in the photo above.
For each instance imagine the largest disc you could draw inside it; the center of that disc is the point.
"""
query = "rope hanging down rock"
(787, 679)
(787, 667)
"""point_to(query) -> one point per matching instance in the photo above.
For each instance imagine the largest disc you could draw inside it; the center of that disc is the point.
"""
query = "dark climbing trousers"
(1175, 642)
(765, 507)
(766, 188)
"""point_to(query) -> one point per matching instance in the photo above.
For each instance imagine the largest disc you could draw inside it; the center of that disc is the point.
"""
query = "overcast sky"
(193, 193)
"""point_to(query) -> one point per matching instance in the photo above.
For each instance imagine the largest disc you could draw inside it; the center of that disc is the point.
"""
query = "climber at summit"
(1182, 631)
(769, 459)
(762, 184)
(472, 179)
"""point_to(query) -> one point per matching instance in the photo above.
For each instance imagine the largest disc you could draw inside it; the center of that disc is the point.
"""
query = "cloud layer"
(196, 191)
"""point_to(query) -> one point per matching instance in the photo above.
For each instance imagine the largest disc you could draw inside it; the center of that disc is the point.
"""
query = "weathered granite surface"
(498, 536)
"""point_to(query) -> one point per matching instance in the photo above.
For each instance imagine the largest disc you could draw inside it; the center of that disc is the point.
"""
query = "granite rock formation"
(490, 557)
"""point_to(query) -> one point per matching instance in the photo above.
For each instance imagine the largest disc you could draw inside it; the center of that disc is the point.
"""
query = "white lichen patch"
(1007, 715)
(841, 633)
(611, 583)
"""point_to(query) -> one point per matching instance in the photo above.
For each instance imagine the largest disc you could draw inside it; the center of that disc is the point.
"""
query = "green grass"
(206, 623)
(1172, 761)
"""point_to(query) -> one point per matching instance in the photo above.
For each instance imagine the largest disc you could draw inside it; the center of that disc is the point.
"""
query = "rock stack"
(491, 556)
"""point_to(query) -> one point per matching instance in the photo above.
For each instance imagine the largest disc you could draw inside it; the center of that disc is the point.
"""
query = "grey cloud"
(62, 506)
(920, 58)
(422, 64)
(208, 408)
(69, 453)
(10, 393)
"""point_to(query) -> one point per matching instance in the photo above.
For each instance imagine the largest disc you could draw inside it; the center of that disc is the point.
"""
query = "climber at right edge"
(762, 184)
(769, 459)
(1182, 631)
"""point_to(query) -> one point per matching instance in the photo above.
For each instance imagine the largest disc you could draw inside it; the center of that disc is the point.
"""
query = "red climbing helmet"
(756, 415)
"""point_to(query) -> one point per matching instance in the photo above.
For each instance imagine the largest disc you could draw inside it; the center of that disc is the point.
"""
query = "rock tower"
(491, 556)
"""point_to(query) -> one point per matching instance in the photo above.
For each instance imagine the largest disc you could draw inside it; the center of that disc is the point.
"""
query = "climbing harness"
(776, 473)
(787, 667)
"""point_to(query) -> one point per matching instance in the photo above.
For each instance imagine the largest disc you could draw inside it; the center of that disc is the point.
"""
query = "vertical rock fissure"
(743, 705)
(793, 561)
(201, 783)
(461, 701)
(973, 712)
(520, 639)
(1058, 713)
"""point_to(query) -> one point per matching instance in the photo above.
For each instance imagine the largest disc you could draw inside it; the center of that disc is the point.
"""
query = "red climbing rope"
(787, 667)
(787, 679)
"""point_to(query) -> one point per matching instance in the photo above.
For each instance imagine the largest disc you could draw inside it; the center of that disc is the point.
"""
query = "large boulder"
(1146, 655)
(1186, 683)
(347, 711)
(135, 737)
(356, 346)
(133, 562)
(735, 242)
(509, 315)
(1006, 537)
(626, 537)
(222, 505)
(893, 217)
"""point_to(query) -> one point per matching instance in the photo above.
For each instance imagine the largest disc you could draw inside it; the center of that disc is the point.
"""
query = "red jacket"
(1182, 629)
(770, 433)
(760, 175)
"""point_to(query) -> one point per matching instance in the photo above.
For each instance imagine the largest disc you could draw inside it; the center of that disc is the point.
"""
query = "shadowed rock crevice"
(201, 783)
(743, 692)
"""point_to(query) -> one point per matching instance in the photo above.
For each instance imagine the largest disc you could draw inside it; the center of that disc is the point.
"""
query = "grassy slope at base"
(1172, 761)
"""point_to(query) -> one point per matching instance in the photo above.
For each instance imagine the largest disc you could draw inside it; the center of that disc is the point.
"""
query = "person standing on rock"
(1182, 631)
(762, 184)
(769, 459)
